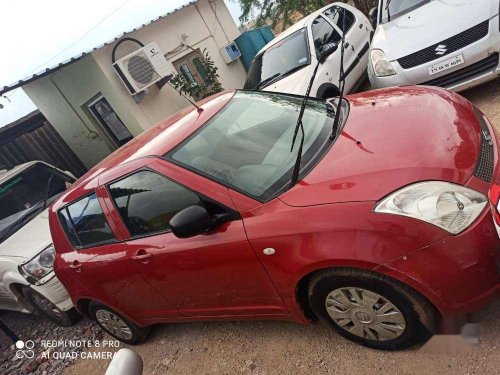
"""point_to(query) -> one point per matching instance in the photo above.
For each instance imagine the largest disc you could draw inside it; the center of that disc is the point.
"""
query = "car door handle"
(76, 266)
(142, 256)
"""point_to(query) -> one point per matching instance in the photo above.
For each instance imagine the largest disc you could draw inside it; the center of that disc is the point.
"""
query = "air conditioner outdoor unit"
(230, 52)
(142, 68)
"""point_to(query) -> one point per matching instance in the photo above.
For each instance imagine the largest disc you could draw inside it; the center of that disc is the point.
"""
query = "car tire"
(50, 310)
(117, 325)
(370, 309)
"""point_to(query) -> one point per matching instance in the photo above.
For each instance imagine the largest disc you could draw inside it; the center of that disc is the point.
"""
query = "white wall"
(203, 29)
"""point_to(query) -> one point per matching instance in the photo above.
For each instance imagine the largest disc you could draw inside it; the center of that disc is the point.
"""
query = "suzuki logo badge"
(441, 49)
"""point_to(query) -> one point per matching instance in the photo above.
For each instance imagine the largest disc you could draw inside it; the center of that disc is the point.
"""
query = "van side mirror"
(372, 15)
(191, 221)
(326, 51)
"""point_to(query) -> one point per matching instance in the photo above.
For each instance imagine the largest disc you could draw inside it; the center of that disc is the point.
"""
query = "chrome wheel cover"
(114, 324)
(365, 314)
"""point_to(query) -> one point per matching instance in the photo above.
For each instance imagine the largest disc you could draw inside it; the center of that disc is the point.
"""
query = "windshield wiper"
(19, 222)
(327, 50)
(335, 126)
(261, 84)
(47, 188)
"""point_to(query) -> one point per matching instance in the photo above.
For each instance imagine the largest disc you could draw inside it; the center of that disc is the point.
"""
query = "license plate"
(447, 64)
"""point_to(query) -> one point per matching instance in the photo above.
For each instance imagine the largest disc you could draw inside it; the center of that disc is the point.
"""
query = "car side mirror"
(372, 15)
(326, 51)
(191, 221)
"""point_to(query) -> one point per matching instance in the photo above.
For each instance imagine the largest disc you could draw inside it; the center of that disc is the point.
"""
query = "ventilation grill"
(469, 72)
(451, 45)
(141, 70)
(485, 162)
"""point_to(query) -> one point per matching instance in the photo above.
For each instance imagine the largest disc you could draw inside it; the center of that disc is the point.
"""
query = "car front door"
(209, 275)
(357, 41)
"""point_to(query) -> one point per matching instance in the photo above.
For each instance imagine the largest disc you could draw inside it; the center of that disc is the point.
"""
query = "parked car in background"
(287, 63)
(27, 279)
(388, 229)
(451, 44)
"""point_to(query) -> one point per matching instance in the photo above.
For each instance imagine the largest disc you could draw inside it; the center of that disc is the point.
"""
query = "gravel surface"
(257, 347)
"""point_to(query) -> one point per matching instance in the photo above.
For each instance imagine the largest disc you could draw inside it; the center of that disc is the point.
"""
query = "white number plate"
(447, 64)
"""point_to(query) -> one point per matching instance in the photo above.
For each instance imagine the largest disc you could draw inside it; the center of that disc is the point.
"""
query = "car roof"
(154, 142)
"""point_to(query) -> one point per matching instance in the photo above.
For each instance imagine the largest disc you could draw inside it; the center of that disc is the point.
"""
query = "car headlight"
(446, 205)
(42, 264)
(382, 67)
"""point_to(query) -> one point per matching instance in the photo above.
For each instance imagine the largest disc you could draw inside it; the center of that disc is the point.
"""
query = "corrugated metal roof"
(51, 68)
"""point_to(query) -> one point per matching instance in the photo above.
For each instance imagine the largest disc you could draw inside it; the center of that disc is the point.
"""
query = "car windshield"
(23, 195)
(247, 145)
(282, 58)
(392, 9)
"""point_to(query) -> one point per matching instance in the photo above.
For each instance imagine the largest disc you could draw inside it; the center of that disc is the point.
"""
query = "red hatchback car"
(388, 230)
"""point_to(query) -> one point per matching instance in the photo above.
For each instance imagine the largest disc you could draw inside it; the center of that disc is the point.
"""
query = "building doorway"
(108, 120)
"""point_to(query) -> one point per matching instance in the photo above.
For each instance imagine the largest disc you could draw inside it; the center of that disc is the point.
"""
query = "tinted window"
(247, 145)
(84, 222)
(147, 201)
(337, 14)
(323, 33)
(282, 58)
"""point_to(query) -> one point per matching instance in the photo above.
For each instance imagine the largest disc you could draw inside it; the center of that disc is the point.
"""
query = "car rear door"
(98, 266)
(209, 275)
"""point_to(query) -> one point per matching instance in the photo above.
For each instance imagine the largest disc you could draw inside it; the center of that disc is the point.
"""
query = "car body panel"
(28, 240)
(426, 26)
(397, 151)
(429, 24)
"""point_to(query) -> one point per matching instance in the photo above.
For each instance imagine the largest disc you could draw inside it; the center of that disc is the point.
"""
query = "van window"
(85, 224)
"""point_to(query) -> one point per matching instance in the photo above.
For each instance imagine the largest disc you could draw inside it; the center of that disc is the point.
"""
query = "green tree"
(281, 11)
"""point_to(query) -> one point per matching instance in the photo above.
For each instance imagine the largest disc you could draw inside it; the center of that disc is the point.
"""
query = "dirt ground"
(287, 348)
(260, 347)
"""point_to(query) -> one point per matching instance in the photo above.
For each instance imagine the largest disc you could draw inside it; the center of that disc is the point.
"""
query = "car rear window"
(85, 223)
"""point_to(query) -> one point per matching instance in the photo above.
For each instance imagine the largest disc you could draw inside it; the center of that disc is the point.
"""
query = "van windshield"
(392, 9)
(279, 60)
(22, 196)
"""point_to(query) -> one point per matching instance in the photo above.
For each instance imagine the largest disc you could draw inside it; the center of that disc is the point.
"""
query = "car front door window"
(323, 33)
(146, 201)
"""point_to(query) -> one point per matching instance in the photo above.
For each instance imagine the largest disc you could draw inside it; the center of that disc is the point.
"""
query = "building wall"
(61, 97)
(205, 24)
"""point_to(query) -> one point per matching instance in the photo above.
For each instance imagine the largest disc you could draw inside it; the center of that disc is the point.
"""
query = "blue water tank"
(251, 42)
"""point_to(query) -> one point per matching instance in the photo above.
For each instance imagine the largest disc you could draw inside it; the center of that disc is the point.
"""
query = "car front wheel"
(368, 308)
(50, 310)
(117, 325)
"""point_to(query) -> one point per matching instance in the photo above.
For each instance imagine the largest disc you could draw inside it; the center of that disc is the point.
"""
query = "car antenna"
(162, 82)
(341, 82)
(326, 51)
